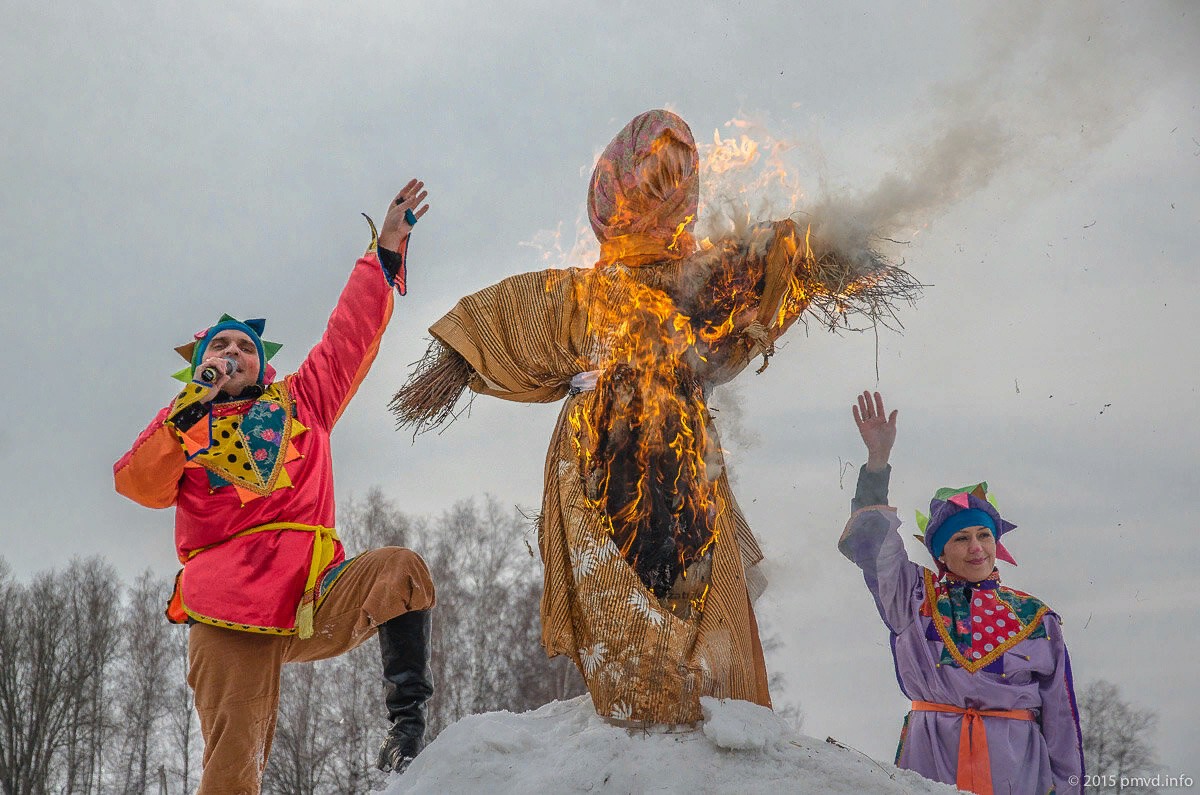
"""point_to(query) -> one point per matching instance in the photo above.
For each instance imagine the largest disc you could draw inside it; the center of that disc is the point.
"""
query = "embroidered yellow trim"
(217, 622)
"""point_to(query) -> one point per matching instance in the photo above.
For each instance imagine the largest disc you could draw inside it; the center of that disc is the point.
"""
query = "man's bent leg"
(235, 676)
(388, 590)
(376, 587)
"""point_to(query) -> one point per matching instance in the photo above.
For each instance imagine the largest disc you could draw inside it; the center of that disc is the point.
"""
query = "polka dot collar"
(977, 622)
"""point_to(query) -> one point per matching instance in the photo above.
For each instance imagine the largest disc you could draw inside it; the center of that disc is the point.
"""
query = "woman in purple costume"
(986, 667)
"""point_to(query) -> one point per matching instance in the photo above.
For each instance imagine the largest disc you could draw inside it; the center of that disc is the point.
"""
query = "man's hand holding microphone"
(215, 371)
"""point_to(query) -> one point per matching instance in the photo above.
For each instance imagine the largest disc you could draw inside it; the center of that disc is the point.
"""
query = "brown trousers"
(235, 675)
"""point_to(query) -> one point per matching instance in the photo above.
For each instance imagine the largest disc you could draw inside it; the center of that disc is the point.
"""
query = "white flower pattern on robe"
(639, 602)
(583, 562)
(606, 551)
(621, 711)
(592, 657)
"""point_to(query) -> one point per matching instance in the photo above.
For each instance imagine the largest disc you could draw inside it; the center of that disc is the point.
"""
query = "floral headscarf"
(633, 227)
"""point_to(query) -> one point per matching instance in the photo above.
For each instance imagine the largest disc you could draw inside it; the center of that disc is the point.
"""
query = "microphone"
(209, 373)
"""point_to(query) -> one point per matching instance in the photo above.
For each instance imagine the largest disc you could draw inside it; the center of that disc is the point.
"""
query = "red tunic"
(255, 543)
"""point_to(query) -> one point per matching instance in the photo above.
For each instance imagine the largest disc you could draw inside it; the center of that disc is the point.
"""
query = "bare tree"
(85, 672)
(486, 632)
(35, 683)
(58, 639)
(486, 651)
(181, 721)
(538, 678)
(11, 680)
(374, 522)
(91, 632)
(1116, 739)
(145, 682)
(357, 714)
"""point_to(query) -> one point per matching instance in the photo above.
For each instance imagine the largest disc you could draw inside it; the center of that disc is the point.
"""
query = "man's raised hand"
(406, 209)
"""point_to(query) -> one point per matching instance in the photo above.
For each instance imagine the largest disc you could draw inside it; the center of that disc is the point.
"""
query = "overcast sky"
(166, 162)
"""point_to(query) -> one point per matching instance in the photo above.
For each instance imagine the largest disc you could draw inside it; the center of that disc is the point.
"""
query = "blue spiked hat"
(193, 351)
(952, 509)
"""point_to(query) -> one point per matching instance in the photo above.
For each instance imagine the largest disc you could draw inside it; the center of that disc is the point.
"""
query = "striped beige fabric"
(524, 338)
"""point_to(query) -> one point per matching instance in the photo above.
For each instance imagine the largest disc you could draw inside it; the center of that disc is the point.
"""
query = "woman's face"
(970, 553)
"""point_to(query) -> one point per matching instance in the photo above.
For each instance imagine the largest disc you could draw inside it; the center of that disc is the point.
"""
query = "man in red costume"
(245, 460)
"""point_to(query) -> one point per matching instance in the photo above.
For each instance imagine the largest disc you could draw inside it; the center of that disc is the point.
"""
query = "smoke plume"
(1052, 84)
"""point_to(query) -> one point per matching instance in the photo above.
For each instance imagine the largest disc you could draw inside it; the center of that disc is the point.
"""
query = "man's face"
(236, 345)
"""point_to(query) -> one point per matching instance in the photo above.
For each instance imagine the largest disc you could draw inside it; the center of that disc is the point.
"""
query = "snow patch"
(741, 725)
(565, 747)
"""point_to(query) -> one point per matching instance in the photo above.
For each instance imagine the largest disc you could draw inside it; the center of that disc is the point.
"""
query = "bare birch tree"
(34, 678)
(485, 644)
(145, 682)
(181, 722)
(300, 762)
(1116, 739)
(91, 631)
(48, 629)
(93, 693)
(486, 629)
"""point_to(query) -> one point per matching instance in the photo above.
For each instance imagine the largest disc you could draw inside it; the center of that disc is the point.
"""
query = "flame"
(656, 337)
(553, 251)
(642, 435)
(643, 438)
(679, 230)
(749, 164)
(730, 153)
(750, 167)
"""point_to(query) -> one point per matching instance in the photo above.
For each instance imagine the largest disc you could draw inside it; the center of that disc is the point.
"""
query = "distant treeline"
(93, 692)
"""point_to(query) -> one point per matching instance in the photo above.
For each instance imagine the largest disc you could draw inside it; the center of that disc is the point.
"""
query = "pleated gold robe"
(524, 339)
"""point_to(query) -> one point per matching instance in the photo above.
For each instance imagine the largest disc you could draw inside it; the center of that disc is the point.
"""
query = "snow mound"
(565, 747)
(742, 725)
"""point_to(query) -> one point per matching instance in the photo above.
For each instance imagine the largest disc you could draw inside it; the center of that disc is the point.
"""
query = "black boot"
(408, 684)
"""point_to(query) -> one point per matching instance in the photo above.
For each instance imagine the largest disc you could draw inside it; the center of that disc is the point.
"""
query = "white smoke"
(1053, 83)
(1050, 85)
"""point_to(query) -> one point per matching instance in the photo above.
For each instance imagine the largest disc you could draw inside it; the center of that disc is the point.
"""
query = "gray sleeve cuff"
(872, 488)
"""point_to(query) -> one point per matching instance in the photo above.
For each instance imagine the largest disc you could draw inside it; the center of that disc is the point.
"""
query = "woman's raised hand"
(877, 428)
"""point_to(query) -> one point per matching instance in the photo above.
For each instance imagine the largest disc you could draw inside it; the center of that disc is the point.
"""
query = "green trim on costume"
(903, 738)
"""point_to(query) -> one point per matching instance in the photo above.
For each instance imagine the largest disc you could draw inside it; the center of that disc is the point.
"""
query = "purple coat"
(1027, 757)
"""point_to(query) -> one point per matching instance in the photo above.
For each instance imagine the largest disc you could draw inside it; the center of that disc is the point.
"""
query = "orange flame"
(730, 153)
(679, 230)
(750, 166)
(642, 436)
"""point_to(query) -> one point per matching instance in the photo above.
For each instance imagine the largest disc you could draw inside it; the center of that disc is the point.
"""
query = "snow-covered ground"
(565, 747)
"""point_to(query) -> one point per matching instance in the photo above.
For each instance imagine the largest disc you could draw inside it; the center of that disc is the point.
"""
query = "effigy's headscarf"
(632, 226)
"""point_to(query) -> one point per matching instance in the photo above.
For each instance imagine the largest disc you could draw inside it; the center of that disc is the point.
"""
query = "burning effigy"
(647, 557)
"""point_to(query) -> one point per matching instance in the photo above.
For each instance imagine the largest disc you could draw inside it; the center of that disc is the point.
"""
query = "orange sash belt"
(974, 764)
